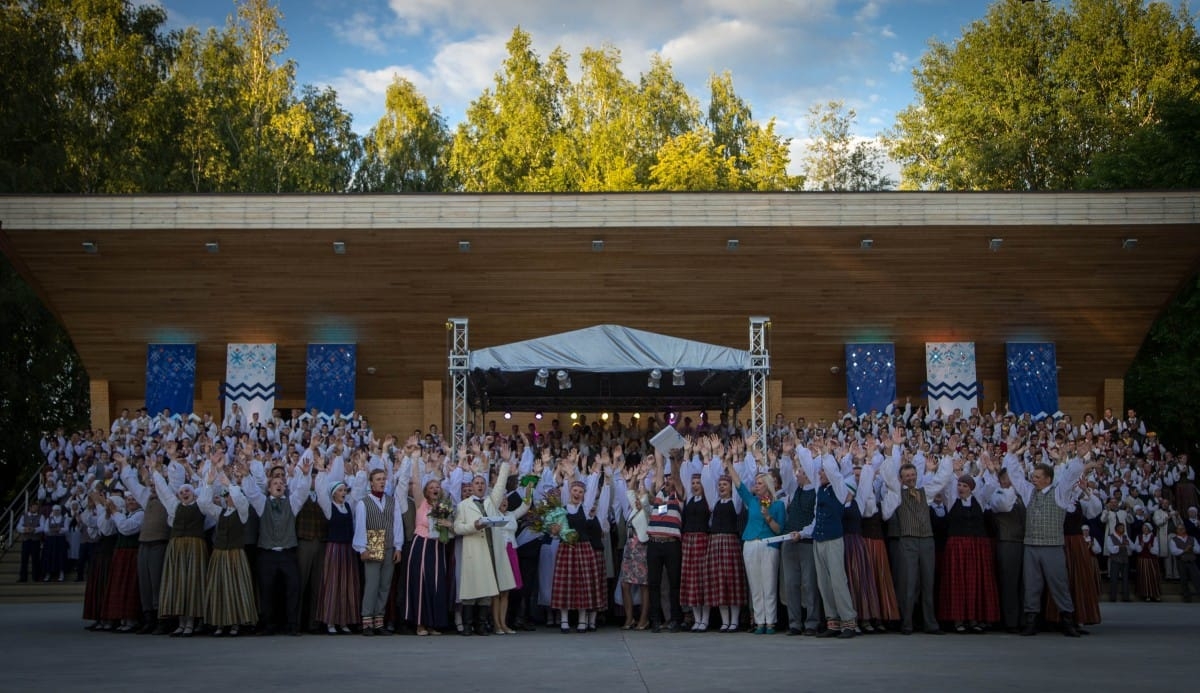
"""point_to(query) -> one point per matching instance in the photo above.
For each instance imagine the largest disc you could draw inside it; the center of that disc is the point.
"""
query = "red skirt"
(968, 586)
(861, 578)
(726, 583)
(1085, 582)
(123, 600)
(889, 607)
(1149, 577)
(692, 576)
(96, 589)
(575, 578)
(601, 579)
(340, 598)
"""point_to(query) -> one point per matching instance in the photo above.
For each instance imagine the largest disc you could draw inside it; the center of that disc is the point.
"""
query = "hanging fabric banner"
(170, 378)
(950, 380)
(1032, 378)
(870, 376)
(249, 380)
(330, 377)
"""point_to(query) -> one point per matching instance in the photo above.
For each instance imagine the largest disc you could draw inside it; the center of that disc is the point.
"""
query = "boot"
(481, 617)
(1067, 622)
(163, 627)
(1031, 627)
(149, 619)
(468, 614)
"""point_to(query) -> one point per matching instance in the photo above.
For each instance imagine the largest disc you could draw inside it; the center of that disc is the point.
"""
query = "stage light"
(732, 244)
(564, 380)
(1129, 243)
(677, 377)
(637, 415)
(655, 379)
(994, 244)
(574, 416)
(543, 377)
(671, 417)
(507, 414)
(339, 247)
(604, 416)
(213, 247)
(464, 246)
(597, 245)
(537, 415)
(866, 244)
(90, 248)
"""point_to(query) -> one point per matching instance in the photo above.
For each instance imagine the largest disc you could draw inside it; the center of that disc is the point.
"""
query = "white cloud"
(887, 32)
(899, 62)
(868, 12)
(364, 31)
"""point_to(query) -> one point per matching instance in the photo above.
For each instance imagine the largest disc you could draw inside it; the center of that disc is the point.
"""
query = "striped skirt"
(967, 590)
(339, 600)
(1149, 577)
(861, 578)
(694, 570)
(575, 578)
(230, 597)
(601, 579)
(726, 583)
(122, 600)
(185, 566)
(633, 563)
(96, 590)
(428, 584)
(877, 554)
(1085, 583)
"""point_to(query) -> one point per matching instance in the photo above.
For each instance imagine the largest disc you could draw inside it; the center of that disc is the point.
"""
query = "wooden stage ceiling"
(1062, 273)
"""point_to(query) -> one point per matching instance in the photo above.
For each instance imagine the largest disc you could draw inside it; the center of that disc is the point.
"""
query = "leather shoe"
(794, 631)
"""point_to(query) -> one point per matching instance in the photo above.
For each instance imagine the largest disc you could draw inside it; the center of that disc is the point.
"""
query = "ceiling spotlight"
(677, 377)
(835, 370)
(866, 244)
(604, 416)
(370, 370)
(339, 247)
(732, 244)
(655, 379)
(574, 416)
(90, 248)
(995, 243)
(1129, 243)
(564, 380)
(597, 245)
(537, 415)
(213, 247)
(507, 414)
(464, 246)
(542, 377)
(671, 416)
(637, 415)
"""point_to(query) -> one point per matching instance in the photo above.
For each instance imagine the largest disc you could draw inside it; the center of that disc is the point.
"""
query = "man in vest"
(31, 542)
(1008, 516)
(1185, 548)
(378, 539)
(1044, 560)
(906, 502)
(277, 541)
(152, 547)
(829, 549)
(796, 555)
(1117, 547)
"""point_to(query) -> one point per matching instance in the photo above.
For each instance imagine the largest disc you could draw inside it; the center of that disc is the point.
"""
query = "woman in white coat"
(477, 578)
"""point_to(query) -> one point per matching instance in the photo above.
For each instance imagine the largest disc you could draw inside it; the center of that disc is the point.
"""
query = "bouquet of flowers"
(549, 512)
(443, 509)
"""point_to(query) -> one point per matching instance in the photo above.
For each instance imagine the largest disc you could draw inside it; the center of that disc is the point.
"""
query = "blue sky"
(785, 55)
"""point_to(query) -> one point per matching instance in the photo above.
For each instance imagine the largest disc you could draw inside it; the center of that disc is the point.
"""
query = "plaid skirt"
(229, 599)
(185, 566)
(1149, 577)
(122, 599)
(96, 590)
(575, 578)
(726, 583)
(1085, 583)
(340, 599)
(601, 579)
(694, 570)
(861, 578)
(427, 586)
(633, 563)
(889, 607)
(968, 585)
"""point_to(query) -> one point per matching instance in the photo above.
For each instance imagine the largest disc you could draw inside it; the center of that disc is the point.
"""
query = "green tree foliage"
(835, 161)
(1031, 95)
(408, 150)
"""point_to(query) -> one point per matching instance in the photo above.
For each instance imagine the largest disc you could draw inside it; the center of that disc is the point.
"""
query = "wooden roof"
(1061, 274)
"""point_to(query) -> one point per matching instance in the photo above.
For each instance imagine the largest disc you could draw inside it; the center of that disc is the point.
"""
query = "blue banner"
(870, 376)
(1032, 378)
(170, 378)
(330, 381)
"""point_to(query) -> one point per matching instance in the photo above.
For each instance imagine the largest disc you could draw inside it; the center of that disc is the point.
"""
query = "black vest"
(724, 519)
(695, 516)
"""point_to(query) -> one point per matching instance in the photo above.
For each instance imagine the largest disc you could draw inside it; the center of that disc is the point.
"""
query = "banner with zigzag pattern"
(249, 379)
(950, 377)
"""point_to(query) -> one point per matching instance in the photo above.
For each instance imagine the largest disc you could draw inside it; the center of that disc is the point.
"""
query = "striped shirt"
(668, 524)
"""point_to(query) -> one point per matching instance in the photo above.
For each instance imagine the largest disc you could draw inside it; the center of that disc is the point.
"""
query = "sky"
(784, 55)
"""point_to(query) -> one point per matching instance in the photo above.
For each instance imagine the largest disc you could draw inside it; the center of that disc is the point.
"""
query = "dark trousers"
(1008, 569)
(150, 569)
(1118, 579)
(918, 565)
(31, 560)
(311, 555)
(800, 584)
(275, 567)
(664, 556)
(524, 600)
(54, 557)
(1189, 578)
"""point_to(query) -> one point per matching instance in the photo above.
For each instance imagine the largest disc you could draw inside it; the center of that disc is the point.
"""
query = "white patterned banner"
(951, 382)
(250, 379)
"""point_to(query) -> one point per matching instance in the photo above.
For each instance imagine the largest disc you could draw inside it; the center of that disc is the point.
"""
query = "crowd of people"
(900, 520)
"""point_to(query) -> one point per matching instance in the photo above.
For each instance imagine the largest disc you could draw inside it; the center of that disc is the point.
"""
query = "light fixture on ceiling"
(542, 378)
(637, 415)
(212, 247)
(370, 370)
(994, 244)
(1129, 243)
(732, 244)
(604, 416)
(655, 379)
(90, 248)
(677, 377)
(574, 416)
(538, 415)
(507, 414)
(835, 370)
(671, 416)
(597, 245)
(464, 246)
(564, 380)
(339, 247)
(866, 243)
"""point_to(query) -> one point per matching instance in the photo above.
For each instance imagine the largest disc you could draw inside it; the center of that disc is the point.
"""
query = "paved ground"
(1139, 644)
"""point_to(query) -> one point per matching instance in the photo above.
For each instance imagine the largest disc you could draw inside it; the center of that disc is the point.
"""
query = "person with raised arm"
(574, 583)
(477, 585)
(339, 602)
(185, 565)
(378, 539)
(765, 518)
(277, 542)
(229, 599)
(726, 584)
